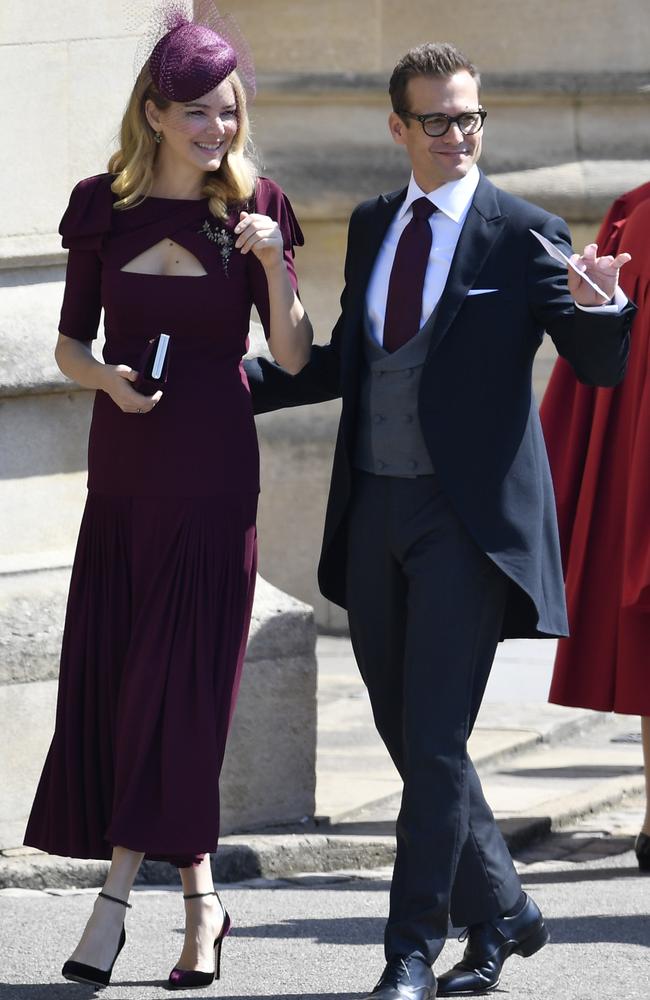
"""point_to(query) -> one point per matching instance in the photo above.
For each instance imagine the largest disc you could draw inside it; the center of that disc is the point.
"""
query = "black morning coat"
(478, 414)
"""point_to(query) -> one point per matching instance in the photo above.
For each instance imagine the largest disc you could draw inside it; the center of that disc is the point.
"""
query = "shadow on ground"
(64, 991)
(594, 771)
(593, 875)
(358, 930)
(599, 929)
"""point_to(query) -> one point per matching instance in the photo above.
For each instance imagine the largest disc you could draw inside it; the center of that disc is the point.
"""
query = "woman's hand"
(262, 235)
(115, 380)
(75, 359)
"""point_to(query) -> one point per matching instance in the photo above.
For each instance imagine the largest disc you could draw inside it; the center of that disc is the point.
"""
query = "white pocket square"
(482, 291)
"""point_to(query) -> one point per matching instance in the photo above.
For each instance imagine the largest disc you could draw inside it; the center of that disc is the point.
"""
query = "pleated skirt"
(155, 634)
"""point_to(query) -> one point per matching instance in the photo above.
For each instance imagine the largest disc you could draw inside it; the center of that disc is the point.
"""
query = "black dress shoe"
(406, 978)
(642, 851)
(489, 945)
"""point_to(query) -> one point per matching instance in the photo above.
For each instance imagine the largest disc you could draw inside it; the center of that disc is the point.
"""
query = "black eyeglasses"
(469, 122)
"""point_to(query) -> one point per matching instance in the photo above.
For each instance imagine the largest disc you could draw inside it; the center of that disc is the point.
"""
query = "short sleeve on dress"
(82, 303)
(271, 200)
(87, 218)
(86, 221)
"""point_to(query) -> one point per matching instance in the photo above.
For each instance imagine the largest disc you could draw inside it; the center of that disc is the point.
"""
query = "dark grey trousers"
(426, 606)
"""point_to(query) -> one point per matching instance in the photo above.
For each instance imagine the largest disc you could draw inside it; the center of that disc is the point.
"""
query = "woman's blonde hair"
(232, 183)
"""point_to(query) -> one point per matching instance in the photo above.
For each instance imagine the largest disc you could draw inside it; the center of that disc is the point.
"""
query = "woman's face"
(197, 133)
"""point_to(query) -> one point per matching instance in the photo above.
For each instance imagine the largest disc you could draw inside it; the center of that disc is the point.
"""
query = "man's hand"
(602, 270)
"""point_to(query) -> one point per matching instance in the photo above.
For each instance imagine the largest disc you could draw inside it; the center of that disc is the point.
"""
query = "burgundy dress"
(162, 584)
(599, 447)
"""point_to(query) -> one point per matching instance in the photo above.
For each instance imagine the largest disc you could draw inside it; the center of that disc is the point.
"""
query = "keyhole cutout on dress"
(166, 258)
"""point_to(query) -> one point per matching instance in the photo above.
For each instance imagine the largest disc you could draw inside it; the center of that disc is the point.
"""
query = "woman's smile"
(210, 147)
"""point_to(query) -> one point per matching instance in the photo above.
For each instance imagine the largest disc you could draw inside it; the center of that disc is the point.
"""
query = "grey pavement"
(542, 765)
(566, 788)
(316, 937)
(514, 715)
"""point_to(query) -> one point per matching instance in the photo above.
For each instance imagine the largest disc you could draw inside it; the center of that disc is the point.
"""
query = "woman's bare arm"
(290, 332)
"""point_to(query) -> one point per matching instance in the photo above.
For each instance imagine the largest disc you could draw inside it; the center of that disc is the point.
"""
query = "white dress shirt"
(453, 201)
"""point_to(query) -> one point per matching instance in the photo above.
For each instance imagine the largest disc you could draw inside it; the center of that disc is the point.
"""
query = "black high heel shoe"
(77, 972)
(642, 851)
(180, 979)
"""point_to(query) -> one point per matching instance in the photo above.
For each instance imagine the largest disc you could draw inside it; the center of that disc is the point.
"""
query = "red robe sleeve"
(567, 410)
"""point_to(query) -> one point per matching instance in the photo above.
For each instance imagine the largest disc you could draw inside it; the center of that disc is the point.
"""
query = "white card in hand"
(161, 351)
(557, 254)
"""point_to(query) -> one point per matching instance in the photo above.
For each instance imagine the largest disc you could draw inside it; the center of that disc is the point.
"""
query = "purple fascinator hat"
(192, 51)
(189, 61)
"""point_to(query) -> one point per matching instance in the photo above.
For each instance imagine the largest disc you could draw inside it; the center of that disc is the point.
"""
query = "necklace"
(222, 238)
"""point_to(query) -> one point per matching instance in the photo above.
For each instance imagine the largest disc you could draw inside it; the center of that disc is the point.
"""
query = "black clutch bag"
(154, 365)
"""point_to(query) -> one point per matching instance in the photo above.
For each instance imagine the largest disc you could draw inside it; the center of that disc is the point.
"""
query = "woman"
(180, 237)
(598, 443)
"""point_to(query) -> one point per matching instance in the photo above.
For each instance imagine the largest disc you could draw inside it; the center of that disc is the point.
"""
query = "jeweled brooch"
(223, 239)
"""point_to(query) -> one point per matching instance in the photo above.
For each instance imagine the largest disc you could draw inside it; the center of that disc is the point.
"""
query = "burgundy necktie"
(406, 284)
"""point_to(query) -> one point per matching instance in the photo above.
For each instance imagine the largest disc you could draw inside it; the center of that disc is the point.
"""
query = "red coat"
(598, 443)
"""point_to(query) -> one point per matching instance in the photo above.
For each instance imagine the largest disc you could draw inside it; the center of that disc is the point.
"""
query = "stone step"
(514, 718)
(539, 786)
(565, 775)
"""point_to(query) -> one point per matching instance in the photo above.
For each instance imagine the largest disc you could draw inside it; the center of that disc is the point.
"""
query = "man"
(440, 537)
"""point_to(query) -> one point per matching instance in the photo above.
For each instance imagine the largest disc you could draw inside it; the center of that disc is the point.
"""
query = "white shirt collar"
(453, 198)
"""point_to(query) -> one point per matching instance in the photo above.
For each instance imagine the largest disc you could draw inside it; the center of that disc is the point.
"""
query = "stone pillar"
(269, 774)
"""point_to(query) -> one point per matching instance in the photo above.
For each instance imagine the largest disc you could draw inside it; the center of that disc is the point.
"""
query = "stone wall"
(515, 36)
(65, 70)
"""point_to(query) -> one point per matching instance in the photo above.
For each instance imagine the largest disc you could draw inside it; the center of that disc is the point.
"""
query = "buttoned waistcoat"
(389, 440)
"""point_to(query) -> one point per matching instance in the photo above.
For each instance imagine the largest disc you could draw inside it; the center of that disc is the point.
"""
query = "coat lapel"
(482, 227)
(364, 253)
(372, 235)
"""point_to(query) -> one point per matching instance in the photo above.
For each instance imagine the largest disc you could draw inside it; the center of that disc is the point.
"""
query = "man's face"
(435, 161)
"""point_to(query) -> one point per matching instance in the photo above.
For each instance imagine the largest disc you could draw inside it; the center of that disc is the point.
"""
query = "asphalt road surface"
(318, 937)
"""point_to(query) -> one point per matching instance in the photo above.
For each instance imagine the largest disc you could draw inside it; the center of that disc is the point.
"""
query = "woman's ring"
(139, 411)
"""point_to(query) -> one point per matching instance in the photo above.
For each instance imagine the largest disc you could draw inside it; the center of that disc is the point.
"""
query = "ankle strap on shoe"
(199, 895)
(114, 899)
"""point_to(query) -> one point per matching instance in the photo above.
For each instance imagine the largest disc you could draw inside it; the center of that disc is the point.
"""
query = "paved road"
(316, 937)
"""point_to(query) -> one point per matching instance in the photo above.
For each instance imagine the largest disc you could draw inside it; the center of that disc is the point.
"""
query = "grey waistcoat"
(389, 437)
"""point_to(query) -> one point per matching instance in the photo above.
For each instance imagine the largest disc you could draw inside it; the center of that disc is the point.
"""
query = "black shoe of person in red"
(642, 851)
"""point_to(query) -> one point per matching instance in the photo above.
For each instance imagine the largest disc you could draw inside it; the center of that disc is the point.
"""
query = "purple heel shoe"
(181, 979)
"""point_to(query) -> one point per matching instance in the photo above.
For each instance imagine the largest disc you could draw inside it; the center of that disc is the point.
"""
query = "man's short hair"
(437, 59)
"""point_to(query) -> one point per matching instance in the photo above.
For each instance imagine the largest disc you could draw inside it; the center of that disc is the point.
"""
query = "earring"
(158, 137)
